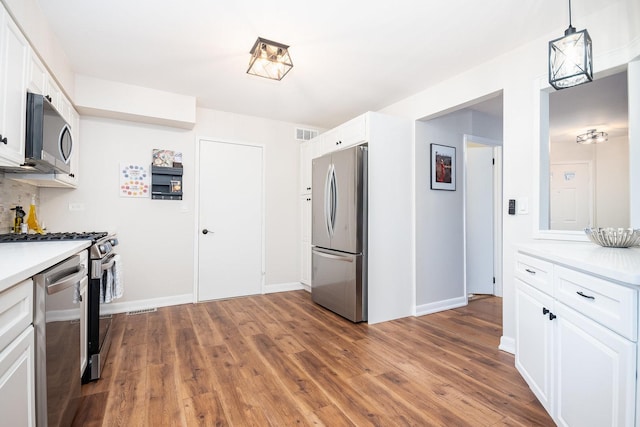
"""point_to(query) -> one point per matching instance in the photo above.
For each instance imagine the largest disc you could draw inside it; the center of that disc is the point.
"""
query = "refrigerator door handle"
(334, 198)
(327, 201)
(336, 257)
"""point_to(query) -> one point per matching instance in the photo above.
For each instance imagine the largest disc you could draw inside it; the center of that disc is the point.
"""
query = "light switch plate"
(523, 206)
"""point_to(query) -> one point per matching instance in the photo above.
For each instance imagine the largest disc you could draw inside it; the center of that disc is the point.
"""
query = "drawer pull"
(529, 271)
(545, 310)
(585, 296)
(552, 316)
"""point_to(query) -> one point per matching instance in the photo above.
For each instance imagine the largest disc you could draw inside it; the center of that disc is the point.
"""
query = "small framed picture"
(176, 186)
(443, 167)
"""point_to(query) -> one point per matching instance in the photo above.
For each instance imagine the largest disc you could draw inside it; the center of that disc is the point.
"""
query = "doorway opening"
(482, 220)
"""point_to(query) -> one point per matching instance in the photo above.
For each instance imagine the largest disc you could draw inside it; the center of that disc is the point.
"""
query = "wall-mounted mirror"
(585, 184)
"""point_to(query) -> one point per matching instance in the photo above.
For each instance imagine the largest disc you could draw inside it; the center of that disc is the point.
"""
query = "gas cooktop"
(24, 237)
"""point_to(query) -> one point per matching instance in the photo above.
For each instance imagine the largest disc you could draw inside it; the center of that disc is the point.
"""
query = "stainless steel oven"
(101, 276)
(57, 317)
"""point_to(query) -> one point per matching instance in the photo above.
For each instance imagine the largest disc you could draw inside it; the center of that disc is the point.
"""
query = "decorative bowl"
(614, 237)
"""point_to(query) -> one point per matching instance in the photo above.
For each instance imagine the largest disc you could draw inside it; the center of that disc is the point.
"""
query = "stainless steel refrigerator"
(339, 232)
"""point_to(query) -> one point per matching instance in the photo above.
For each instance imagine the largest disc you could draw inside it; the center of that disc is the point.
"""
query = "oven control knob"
(101, 248)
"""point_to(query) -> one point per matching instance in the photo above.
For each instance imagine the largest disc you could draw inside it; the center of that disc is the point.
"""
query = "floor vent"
(305, 134)
(144, 310)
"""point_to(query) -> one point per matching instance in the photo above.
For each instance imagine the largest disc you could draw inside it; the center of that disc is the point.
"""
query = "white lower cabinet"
(305, 262)
(17, 380)
(595, 373)
(534, 344)
(582, 371)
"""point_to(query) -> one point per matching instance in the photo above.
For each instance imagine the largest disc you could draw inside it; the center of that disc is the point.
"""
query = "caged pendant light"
(570, 58)
(269, 59)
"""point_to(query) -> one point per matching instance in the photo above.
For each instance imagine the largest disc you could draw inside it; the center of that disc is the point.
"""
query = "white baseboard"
(306, 287)
(123, 307)
(283, 287)
(507, 344)
(435, 307)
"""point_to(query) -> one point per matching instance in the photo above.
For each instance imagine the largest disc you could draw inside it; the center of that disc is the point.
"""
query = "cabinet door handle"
(552, 316)
(585, 296)
(3, 140)
(530, 271)
(545, 310)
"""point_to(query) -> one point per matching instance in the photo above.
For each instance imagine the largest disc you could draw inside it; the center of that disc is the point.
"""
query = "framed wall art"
(443, 167)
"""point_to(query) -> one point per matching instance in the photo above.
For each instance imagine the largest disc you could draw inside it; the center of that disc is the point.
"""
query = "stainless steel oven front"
(102, 261)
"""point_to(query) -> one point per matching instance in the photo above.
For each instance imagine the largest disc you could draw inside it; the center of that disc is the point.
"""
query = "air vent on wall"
(305, 134)
(142, 311)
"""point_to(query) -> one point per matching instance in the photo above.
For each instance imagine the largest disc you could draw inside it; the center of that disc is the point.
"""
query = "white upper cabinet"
(37, 75)
(14, 57)
(350, 133)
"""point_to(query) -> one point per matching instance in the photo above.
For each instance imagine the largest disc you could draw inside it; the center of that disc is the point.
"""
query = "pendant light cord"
(570, 13)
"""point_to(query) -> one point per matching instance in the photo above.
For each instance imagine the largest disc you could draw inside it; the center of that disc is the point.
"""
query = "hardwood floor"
(280, 360)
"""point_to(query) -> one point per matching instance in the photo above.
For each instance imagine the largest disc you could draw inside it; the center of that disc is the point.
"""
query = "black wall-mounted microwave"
(48, 144)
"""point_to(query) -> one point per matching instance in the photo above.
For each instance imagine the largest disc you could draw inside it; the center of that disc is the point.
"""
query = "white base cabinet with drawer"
(576, 346)
(17, 363)
(17, 380)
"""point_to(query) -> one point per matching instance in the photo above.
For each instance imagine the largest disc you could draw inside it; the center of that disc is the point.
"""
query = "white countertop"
(619, 264)
(19, 261)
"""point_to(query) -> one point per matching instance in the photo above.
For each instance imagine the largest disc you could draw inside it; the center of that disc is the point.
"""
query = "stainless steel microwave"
(48, 144)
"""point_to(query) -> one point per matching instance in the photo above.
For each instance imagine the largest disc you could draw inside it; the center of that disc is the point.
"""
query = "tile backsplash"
(14, 193)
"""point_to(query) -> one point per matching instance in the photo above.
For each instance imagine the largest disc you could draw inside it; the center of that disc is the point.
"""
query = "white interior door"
(571, 201)
(479, 219)
(230, 220)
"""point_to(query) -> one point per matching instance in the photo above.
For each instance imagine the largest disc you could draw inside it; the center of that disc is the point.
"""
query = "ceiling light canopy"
(570, 58)
(269, 59)
(592, 136)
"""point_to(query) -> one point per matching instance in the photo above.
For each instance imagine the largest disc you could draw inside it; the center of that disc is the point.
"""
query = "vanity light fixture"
(269, 59)
(570, 58)
(592, 136)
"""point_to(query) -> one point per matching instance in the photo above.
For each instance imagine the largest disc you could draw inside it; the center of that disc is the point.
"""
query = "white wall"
(616, 37)
(157, 237)
(439, 216)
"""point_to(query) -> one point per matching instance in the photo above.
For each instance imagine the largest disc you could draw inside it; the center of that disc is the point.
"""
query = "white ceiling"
(601, 105)
(349, 56)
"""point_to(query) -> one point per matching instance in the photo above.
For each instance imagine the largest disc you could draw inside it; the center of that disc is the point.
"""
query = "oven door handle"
(67, 281)
(106, 266)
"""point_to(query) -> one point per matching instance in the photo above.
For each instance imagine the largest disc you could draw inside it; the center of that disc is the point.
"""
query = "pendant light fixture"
(570, 58)
(592, 136)
(269, 59)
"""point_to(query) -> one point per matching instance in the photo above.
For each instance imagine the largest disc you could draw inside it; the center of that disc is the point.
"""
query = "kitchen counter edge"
(21, 260)
(618, 264)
